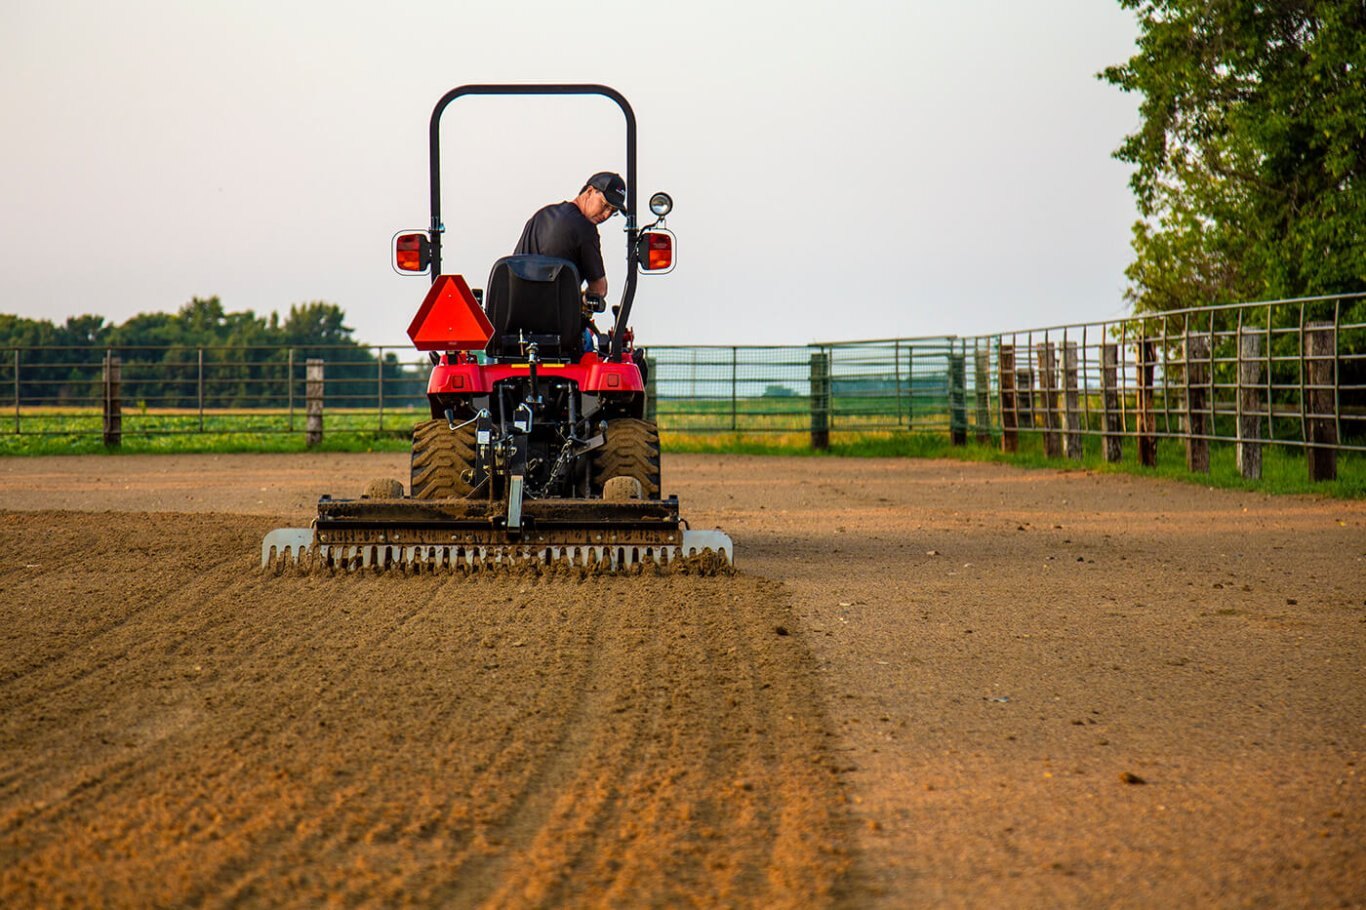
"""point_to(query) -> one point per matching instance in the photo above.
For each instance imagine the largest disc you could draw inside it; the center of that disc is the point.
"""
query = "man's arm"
(590, 255)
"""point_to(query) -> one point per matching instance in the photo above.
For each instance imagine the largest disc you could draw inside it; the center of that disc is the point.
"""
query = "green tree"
(316, 323)
(1251, 155)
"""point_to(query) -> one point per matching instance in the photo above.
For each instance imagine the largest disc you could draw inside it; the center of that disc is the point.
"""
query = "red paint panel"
(590, 374)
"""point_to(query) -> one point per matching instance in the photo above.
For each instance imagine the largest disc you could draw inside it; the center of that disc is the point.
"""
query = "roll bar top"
(434, 144)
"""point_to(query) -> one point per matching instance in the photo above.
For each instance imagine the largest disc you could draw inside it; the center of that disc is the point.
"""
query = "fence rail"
(1286, 373)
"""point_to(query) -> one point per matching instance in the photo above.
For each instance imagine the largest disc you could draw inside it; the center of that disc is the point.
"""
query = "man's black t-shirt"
(561, 230)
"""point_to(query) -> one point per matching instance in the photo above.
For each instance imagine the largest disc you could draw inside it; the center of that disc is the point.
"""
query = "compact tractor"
(539, 452)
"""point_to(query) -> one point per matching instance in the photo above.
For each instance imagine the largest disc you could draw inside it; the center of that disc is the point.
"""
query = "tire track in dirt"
(238, 739)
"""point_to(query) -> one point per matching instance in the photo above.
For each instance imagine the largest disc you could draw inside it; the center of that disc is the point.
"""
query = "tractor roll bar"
(628, 292)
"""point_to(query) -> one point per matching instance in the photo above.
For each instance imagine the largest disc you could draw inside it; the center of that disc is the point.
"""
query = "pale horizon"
(892, 170)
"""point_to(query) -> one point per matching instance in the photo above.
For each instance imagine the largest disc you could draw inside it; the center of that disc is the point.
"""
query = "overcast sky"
(839, 170)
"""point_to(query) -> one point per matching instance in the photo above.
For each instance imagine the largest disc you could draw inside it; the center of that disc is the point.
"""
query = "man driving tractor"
(569, 230)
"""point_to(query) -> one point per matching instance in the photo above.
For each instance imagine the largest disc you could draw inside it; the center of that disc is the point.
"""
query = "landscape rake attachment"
(575, 537)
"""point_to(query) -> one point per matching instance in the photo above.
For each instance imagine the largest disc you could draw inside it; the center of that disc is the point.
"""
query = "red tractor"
(539, 449)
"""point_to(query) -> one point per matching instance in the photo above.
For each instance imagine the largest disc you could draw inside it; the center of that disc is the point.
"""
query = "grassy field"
(66, 432)
(52, 431)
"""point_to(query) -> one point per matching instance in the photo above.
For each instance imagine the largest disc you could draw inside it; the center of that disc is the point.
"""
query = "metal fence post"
(200, 389)
(1109, 391)
(1249, 449)
(313, 392)
(820, 401)
(651, 390)
(16, 391)
(1005, 366)
(113, 401)
(1320, 408)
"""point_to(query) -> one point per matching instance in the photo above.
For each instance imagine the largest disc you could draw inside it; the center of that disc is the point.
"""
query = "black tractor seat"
(534, 299)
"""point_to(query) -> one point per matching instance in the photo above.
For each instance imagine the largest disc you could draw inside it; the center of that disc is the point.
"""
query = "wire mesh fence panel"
(702, 389)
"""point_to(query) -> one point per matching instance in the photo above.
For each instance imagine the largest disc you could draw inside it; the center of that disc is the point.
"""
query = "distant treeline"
(244, 357)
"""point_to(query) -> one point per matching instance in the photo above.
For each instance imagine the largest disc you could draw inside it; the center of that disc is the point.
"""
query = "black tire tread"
(631, 450)
(440, 459)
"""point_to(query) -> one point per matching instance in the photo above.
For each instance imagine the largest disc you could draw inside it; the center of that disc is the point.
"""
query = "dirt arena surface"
(932, 684)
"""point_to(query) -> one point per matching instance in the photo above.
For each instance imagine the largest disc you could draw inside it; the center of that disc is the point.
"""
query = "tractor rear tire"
(631, 450)
(442, 460)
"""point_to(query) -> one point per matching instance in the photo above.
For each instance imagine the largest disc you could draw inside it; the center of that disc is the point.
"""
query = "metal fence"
(1290, 373)
(66, 391)
(1275, 372)
(864, 386)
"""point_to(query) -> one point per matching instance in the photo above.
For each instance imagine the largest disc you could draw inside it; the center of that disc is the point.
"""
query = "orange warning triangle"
(450, 319)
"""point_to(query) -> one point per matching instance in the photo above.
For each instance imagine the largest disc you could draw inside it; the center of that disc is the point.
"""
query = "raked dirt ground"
(932, 684)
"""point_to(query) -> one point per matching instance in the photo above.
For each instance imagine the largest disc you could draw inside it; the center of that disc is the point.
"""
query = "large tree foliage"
(1251, 154)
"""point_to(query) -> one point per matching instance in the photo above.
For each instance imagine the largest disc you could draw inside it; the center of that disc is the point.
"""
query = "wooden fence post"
(981, 372)
(17, 411)
(1024, 394)
(820, 401)
(1010, 439)
(313, 407)
(1320, 355)
(910, 387)
(113, 400)
(1071, 441)
(1147, 419)
(1249, 448)
(289, 387)
(958, 404)
(1048, 391)
(1109, 390)
(1198, 424)
(734, 389)
(379, 388)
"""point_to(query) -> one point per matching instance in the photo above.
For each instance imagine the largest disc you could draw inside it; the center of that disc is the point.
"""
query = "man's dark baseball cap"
(612, 186)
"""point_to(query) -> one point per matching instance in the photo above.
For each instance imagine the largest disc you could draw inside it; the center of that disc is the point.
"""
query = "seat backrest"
(534, 298)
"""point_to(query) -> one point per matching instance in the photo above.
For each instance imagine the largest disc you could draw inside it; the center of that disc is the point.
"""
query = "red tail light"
(412, 252)
(656, 251)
